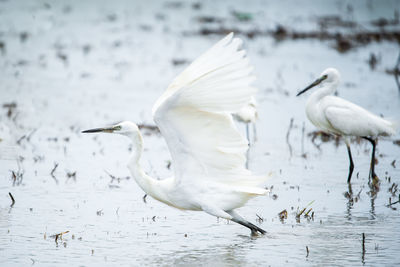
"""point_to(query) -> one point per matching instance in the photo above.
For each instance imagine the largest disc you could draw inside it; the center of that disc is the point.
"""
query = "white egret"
(338, 116)
(207, 151)
(248, 114)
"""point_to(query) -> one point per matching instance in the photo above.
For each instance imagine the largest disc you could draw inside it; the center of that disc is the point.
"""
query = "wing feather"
(350, 119)
(194, 115)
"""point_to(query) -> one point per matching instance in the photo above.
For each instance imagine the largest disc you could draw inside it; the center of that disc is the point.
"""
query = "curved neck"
(149, 185)
(142, 179)
(326, 89)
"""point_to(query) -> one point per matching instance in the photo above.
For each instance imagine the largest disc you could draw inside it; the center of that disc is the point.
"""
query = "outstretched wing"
(194, 114)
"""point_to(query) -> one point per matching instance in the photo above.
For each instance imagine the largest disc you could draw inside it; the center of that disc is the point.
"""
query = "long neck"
(326, 89)
(147, 183)
(313, 102)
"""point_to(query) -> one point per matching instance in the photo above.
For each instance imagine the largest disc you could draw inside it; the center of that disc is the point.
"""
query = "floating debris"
(393, 189)
(242, 16)
(149, 129)
(17, 177)
(23, 36)
(63, 57)
(58, 236)
(307, 251)
(169, 164)
(326, 22)
(209, 19)
(177, 62)
(383, 22)
(114, 178)
(111, 17)
(2, 47)
(343, 42)
(71, 175)
(196, 6)
(299, 213)
(10, 108)
(86, 49)
(283, 215)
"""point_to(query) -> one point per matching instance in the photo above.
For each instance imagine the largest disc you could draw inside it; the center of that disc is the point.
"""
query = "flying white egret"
(207, 151)
(341, 117)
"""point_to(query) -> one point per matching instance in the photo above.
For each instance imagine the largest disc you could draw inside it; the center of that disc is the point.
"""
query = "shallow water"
(71, 66)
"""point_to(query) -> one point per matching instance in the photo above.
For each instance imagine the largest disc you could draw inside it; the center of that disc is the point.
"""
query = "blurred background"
(66, 66)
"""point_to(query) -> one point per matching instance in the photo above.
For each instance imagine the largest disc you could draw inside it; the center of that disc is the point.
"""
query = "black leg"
(254, 229)
(351, 167)
(372, 173)
(238, 219)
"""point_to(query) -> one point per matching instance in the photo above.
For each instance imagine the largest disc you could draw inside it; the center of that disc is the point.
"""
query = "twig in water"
(12, 199)
(112, 176)
(287, 136)
(303, 129)
(59, 236)
(397, 72)
(283, 215)
(301, 212)
(392, 203)
(260, 219)
(52, 172)
(307, 251)
(308, 212)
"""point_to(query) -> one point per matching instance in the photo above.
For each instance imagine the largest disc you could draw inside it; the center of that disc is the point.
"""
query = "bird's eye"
(325, 76)
(117, 128)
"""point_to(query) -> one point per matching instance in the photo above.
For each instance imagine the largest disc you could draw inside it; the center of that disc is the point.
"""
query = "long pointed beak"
(97, 130)
(315, 83)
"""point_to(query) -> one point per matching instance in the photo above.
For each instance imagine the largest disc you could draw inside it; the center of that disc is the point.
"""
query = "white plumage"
(341, 117)
(208, 152)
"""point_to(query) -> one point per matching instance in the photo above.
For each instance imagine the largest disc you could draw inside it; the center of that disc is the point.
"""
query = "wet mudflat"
(72, 66)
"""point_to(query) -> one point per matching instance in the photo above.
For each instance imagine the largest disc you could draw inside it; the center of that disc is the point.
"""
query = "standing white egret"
(341, 117)
(207, 151)
(248, 114)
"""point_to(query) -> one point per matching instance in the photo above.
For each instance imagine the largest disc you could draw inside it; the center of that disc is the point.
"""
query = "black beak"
(315, 83)
(97, 130)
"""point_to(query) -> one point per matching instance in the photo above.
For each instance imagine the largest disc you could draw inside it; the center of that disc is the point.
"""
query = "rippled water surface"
(68, 66)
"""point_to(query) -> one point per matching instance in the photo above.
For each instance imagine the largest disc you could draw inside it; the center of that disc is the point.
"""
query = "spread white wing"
(194, 115)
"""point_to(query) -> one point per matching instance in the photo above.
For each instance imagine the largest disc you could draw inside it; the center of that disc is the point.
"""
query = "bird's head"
(126, 128)
(330, 75)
